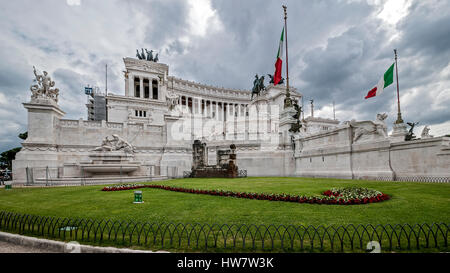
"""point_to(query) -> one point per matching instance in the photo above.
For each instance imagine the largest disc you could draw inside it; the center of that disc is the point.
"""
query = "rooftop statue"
(271, 79)
(43, 87)
(426, 132)
(258, 85)
(410, 135)
(138, 55)
(149, 57)
(377, 127)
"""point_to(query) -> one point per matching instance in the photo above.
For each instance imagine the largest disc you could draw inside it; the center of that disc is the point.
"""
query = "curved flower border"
(335, 196)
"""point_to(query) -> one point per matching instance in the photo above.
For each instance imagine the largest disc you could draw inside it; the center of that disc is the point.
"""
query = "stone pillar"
(42, 119)
(226, 117)
(235, 120)
(246, 118)
(141, 87)
(39, 149)
(217, 111)
(210, 108)
(190, 109)
(240, 124)
(286, 121)
(130, 85)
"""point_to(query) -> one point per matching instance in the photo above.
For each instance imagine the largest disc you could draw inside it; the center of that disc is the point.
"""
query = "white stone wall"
(335, 154)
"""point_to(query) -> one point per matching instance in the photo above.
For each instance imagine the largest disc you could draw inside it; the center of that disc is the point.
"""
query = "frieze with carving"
(363, 129)
(115, 144)
(172, 100)
(142, 65)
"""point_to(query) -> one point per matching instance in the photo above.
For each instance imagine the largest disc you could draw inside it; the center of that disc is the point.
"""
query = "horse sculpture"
(272, 81)
(258, 85)
(149, 55)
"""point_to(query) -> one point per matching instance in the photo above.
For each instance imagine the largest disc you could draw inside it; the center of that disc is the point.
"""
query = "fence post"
(120, 174)
(46, 176)
(150, 169)
(82, 182)
(27, 172)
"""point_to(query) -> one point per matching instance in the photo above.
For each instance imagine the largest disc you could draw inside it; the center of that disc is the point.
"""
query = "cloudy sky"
(338, 50)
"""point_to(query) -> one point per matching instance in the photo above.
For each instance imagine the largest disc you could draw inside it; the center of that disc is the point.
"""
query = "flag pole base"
(398, 133)
(399, 119)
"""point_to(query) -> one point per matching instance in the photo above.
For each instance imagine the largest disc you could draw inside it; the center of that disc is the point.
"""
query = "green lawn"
(410, 203)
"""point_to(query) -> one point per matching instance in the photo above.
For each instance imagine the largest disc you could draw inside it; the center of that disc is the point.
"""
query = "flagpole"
(399, 114)
(287, 100)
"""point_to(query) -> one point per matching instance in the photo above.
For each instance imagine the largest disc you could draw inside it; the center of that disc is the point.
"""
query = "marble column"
(141, 87)
(217, 111)
(131, 85)
(210, 109)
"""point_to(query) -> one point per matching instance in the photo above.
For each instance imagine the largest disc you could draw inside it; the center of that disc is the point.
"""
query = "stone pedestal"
(286, 121)
(399, 132)
(109, 163)
(43, 115)
(39, 149)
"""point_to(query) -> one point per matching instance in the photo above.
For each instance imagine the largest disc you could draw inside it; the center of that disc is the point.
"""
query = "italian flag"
(279, 62)
(384, 82)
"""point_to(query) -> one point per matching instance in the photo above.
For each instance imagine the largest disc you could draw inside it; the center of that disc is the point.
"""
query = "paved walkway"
(12, 248)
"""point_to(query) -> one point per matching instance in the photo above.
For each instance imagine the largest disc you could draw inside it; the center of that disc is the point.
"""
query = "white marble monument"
(151, 125)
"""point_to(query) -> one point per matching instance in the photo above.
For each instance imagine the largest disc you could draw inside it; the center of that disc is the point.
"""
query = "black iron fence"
(232, 237)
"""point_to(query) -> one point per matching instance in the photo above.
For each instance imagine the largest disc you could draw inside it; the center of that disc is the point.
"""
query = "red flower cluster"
(329, 198)
(330, 193)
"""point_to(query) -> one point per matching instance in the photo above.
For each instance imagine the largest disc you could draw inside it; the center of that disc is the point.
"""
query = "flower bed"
(335, 196)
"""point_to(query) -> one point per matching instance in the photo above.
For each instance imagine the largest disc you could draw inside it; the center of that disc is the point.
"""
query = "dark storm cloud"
(253, 28)
(168, 20)
(352, 63)
(347, 68)
(426, 30)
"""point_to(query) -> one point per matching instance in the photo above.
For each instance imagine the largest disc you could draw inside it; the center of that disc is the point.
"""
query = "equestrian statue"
(258, 85)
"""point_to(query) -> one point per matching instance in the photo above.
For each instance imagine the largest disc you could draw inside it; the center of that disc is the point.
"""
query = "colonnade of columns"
(234, 120)
(218, 110)
(143, 87)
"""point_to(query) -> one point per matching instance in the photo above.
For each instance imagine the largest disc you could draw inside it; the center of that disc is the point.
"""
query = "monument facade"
(150, 129)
